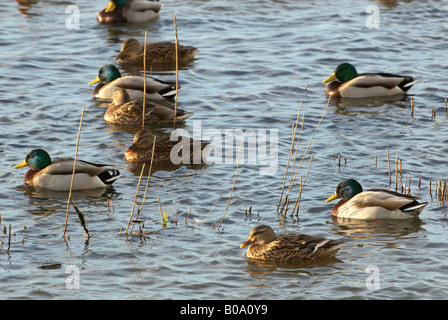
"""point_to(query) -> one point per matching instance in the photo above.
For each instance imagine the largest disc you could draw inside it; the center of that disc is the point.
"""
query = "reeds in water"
(284, 207)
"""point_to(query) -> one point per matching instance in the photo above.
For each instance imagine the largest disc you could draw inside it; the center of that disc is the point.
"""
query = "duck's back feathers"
(133, 11)
(349, 84)
(155, 89)
(290, 247)
(132, 52)
(379, 204)
(58, 175)
(284, 247)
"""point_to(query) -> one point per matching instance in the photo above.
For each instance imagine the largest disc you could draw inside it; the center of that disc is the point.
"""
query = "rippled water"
(258, 60)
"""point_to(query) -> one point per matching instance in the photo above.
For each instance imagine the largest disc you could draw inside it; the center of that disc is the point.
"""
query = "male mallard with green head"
(110, 79)
(374, 203)
(129, 11)
(265, 245)
(345, 82)
(57, 174)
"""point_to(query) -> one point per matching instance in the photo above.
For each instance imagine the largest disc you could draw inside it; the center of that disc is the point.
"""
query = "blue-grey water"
(258, 61)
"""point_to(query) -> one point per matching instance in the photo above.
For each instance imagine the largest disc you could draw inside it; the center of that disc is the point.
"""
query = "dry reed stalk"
(188, 215)
(160, 208)
(388, 162)
(135, 198)
(73, 172)
(412, 107)
(430, 193)
(295, 154)
(433, 113)
(294, 131)
(409, 187)
(144, 81)
(210, 211)
(419, 181)
(147, 182)
(396, 172)
(376, 161)
(309, 144)
(176, 43)
(234, 181)
(297, 203)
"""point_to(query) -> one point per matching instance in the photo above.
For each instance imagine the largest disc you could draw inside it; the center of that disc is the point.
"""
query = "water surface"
(258, 60)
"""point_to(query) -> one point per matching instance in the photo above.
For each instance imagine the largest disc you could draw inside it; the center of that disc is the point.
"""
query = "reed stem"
(73, 172)
(144, 81)
(177, 71)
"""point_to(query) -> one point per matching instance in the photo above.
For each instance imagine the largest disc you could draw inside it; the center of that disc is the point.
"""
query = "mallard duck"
(265, 245)
(347, 83)
(374, 203)
(130, 112)
(132, 52)
(166, 149)
(110, 79)
(57, 174)
(129, 11)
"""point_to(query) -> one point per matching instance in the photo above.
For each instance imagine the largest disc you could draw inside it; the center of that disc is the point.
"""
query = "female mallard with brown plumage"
(57, 174)
(186, 151)
(374, 203)
(130, 112)
(265, 245)
(129, 11)
(132, 52)
(345, 82)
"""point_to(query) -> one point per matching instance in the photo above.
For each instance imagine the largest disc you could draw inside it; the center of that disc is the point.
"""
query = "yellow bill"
(334, 196)
(21, 164)
(330, 78)
(247, 243)
(111, 7)
(97, 79)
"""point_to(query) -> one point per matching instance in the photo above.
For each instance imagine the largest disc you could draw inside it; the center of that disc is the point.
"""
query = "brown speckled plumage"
(141, 148)
(132, 52)
(126, 112)
(265, 245)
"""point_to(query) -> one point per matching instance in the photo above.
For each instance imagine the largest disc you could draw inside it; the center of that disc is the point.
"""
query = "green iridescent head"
(36, 159)
(107, 74)
(344, 72)
(346, 190)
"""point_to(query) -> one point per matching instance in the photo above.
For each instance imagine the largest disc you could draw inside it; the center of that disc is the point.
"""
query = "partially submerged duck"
(109, 79)
(129, 11)
(57, 174)
(124, 111)
(165, 149)
(265, 245)
(373, 204)
(345, 82)
(132, 52)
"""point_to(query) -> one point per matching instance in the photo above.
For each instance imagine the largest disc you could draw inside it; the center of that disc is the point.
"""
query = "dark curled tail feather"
(406, 84)
(109, 176)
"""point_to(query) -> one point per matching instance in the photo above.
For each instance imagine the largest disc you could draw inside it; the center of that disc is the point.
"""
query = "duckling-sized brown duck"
(130, 112)
(186, 151)
(265, 245)
(132, 52)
